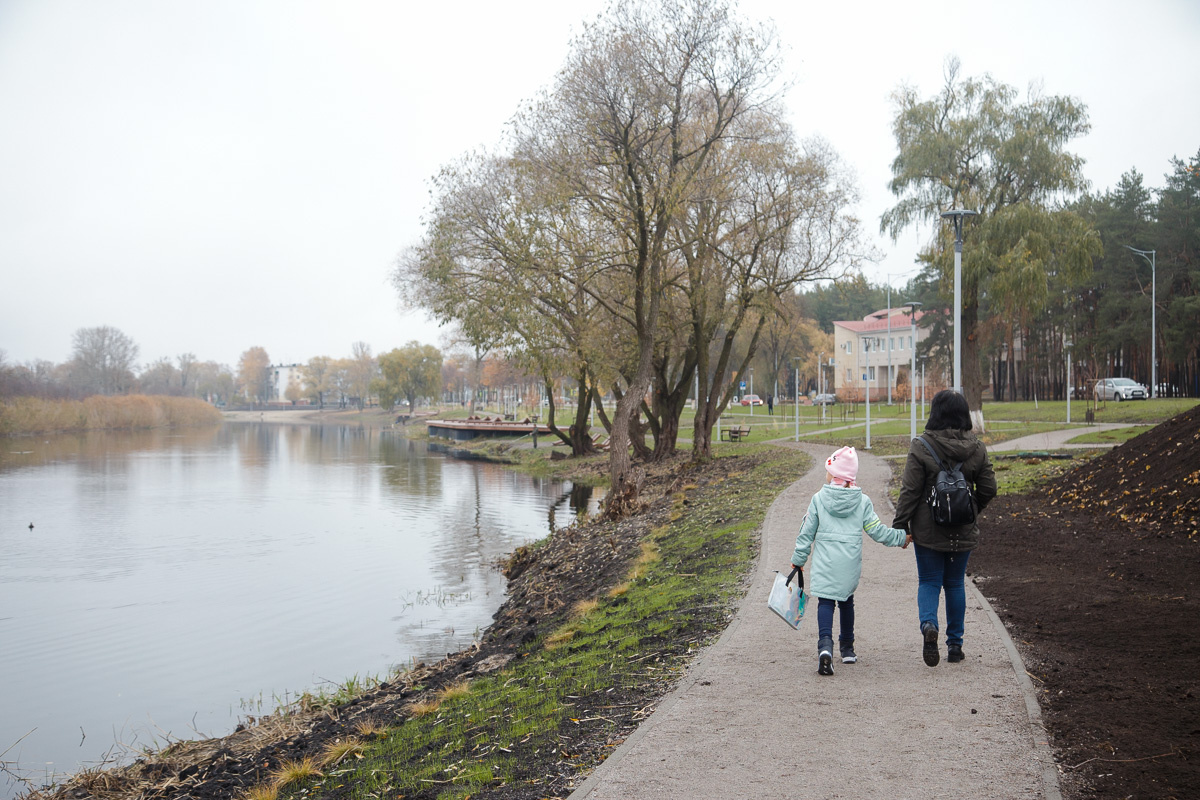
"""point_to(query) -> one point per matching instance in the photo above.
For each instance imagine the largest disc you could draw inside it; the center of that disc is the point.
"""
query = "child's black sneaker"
(930, 651)
(848, 654)
(954, 653)
(825, 657)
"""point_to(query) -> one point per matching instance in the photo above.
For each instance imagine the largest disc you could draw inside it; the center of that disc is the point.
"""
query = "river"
(173, 582)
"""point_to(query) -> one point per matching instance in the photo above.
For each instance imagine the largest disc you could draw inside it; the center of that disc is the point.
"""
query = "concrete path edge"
(1037, 729)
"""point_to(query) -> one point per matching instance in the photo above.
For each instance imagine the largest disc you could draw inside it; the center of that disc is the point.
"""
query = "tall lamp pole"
(1153, 316)
(889, 338)
(912, 375)
(821, 383)
(957, 214)
(796, 359)
(1070, 381)
(868, 388)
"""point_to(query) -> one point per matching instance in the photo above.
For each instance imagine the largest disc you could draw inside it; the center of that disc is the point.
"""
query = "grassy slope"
(480, 736)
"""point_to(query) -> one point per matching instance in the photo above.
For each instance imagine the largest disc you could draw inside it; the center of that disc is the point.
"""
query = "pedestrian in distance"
(770, 404)
(942, 550)
(832, 531)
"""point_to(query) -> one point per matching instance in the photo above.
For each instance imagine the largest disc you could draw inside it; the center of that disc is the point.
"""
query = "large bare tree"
(648, 94)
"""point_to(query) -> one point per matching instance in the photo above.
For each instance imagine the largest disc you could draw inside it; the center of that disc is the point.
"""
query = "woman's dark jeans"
(937, 571)
(845, 617)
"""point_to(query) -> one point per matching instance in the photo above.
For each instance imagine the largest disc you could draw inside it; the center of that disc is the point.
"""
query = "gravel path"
(752, 718)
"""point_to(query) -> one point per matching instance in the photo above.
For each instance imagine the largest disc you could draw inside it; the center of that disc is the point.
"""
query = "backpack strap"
(932, 452)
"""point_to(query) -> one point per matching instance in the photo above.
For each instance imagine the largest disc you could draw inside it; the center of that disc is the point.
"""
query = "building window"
(871, 372)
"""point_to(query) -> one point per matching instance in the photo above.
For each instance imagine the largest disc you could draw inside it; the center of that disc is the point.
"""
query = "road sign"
(743, 386)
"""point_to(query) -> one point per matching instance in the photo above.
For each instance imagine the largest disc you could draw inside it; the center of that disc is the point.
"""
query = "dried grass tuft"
(290, 772)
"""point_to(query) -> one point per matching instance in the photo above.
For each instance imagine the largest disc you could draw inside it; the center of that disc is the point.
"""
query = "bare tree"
(648, 94)
(102, 360)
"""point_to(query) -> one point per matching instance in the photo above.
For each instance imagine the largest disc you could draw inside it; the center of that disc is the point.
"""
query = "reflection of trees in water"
(91, 449)
(411, 470)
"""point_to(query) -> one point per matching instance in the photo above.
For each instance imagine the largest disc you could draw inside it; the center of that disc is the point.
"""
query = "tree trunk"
(972, 377)
(669, 402)
(581, 434)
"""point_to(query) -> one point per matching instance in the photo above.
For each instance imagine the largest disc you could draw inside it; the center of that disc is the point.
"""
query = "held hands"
(907, 542)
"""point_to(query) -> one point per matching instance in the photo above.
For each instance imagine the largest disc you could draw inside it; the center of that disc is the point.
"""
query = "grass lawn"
(1118, 436)
(1017, 475)
(1137, 411)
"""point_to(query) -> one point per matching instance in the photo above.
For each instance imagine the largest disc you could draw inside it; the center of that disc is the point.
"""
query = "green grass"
(1149, 412)
(1116, 436)
(476, 740)
(1019, 475)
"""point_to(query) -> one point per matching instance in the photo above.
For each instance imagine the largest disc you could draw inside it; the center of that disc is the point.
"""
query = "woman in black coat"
(942, 552)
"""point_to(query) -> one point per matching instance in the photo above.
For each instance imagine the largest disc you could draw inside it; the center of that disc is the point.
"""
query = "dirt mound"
(1151, 481)
(1096, 579)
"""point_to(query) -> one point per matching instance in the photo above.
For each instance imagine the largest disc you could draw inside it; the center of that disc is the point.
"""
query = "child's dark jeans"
(845, 618)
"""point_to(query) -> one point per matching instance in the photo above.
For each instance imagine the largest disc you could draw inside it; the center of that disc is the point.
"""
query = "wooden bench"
(735, 433)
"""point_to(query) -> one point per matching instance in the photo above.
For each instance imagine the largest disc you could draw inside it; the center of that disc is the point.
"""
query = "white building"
(862, 349)
(279, 377)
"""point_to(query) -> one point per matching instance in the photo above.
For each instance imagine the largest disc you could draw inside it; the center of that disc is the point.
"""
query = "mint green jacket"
(832, 531)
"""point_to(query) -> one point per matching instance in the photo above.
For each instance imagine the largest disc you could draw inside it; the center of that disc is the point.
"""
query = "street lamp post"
(867, 386)
(889, 339)
(1153, 316)
(752, 390)
(797, 404)
(912, 375)
(957, 214)
(821, 383)
(1070, 382)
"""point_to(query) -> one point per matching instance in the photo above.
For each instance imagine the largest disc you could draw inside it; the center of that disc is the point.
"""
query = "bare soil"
(1096, 578)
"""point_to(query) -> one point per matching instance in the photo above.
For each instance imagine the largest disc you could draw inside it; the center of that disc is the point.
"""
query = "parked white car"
(1120, 389)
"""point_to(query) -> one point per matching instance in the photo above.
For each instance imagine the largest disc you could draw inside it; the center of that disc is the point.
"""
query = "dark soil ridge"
(546, 580)
(1095, 575)
(1152, 480)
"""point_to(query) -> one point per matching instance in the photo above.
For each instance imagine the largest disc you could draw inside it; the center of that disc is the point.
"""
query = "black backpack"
(950, 500)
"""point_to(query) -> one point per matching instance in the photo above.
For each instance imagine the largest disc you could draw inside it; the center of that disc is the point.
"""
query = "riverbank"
(600, 620)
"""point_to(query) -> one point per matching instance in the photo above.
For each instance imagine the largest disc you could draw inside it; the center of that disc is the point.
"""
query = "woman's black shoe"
(930, 650)
(954, 653)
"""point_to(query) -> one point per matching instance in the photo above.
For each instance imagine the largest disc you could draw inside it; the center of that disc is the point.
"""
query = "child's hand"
(907, 542)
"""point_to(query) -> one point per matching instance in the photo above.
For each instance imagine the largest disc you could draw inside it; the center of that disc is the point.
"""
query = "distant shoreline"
(307, 415)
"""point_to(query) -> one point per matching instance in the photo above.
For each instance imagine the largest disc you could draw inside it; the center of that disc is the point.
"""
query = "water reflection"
(171, 576)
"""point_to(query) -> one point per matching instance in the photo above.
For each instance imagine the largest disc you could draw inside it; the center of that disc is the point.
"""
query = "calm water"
(175, 581)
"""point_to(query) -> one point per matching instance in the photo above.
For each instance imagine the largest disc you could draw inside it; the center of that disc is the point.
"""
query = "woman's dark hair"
(949, 411)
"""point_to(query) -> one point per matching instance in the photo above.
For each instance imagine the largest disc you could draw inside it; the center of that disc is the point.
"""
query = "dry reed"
(25, 415)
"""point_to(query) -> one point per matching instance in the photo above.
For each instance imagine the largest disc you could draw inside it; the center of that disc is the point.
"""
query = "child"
(837, 516)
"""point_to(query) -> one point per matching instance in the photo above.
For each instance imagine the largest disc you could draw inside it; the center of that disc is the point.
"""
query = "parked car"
(1120, 389)
(752, 400)
(824, 400)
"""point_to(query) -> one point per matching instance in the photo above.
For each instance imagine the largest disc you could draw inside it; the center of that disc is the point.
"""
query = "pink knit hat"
(843, 465)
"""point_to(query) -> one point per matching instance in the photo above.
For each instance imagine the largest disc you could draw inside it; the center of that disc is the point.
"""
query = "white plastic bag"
(787, 601)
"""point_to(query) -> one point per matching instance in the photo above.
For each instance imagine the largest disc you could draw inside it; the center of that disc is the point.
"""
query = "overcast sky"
(210, 176)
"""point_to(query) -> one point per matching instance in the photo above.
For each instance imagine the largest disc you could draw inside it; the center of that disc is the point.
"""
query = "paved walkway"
(753, 719)
(1057, 440)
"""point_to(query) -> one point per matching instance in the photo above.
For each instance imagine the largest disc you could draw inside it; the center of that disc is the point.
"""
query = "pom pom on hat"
(843, 464)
